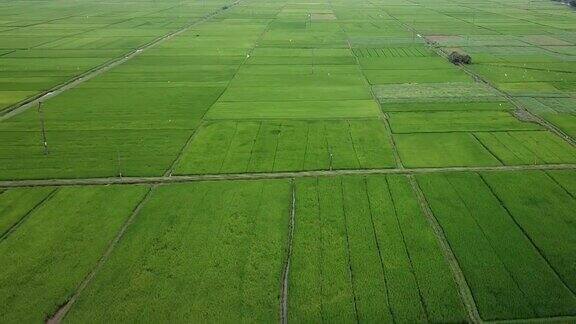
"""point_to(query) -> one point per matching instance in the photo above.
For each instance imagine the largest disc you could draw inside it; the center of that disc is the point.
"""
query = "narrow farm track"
(271, 175)
(286, 270)
(90, 74)
(463, 288)
(62, 311)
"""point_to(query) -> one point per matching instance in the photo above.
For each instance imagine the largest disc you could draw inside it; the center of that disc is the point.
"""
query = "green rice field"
(252, 161)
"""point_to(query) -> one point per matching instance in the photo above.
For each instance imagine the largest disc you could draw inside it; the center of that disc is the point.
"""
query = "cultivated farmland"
(286, 161)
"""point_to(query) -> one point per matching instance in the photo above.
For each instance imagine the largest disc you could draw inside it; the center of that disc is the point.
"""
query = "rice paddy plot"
(210, 251)
(88, 154)
(527, 147)
(362, 251)
(303, 109)
(435, 92)
(51, 243)
(446, 106)
(545, 212)
(442, 150)
(17, 203)
(509, 276)
(457, 121)
(273, 146)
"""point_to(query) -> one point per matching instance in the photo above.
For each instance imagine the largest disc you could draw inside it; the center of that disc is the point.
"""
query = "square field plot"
(202, 252)
(294, 109)
(442, 150)
(270, 146)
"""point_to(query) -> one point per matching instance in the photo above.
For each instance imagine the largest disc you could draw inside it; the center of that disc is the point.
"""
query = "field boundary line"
(554, 319)
(463, 288)
(186, 145)
(272, 175)
(22, 220)
(286, 270)
(59, 315)
(22, 106)
(390, 310)
(527, 235)
(407, 250)
(348, 254)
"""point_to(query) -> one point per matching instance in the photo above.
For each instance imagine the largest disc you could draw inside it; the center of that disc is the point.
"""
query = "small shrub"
(459, 58)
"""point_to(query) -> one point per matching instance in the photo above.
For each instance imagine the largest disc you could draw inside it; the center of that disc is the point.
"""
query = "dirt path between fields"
(270, 175)
(463, 288)
(63, 310)
(83, 77)
(286, 271)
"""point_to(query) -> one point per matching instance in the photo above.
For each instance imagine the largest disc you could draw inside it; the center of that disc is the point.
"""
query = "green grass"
(48, 256)
(362, 244)
(216, 254)
(442, 150)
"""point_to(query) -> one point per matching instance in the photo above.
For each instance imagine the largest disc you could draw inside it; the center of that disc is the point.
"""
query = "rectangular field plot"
(435, 92)
(85, 154)
(442, 150)
(530, 147)
(119, 107)
(48, 255)
(446, 106)
(203, 252)
(294, 109)
(416, 76)
(515, 248)
(456, 121)
(362, 251)
(270, 146)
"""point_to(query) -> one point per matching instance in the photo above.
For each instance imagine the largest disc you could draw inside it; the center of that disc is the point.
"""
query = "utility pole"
(42, 128)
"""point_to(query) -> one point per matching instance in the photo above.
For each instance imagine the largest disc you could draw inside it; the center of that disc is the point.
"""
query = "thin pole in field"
(42, 128)
(118, 161)
(413, 31)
